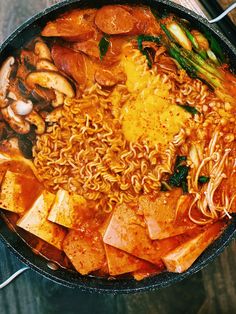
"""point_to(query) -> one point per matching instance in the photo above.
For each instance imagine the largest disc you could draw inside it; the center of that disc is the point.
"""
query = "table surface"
(213, 290)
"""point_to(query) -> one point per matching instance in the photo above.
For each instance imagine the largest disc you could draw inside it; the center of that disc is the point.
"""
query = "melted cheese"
(148, 114)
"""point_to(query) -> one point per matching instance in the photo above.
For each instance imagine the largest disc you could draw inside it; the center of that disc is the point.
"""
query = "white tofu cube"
(35, 221)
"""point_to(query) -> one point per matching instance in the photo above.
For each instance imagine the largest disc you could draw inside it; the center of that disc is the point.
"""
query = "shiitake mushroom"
(25, 146)
(26, 143)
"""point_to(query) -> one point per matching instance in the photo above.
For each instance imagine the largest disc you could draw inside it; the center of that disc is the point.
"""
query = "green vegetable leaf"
(147, 55)
(215, 46)
(180, 161)
(189, 109)
(184, 186)
(103, 46)
(203, 179)
(141, 38)
(180, 175)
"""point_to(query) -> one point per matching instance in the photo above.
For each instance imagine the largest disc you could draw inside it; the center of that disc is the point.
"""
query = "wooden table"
(212, 290)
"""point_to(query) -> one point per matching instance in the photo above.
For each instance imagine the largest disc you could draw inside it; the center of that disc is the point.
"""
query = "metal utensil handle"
(223, 14)
(12, 277)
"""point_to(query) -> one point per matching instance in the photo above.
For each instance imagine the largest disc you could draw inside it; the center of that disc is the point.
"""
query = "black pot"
(19, 38)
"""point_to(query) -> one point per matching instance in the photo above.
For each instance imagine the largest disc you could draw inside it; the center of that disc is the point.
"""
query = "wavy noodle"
(86, 152)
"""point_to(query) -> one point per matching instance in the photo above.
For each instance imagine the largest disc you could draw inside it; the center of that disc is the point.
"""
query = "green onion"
(215, 46)
(190, 36)
(189, 109)
(142, 38)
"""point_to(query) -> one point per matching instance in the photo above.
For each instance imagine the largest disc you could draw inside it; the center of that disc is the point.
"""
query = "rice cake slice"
(183, 256)
(66, 208)
(166, 216)
(35, 221)
(85, 251)
(18, 192)
(127, 231)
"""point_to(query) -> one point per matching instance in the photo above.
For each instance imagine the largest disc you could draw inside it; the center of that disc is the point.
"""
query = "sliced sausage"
(113, 20)
(75, 25)
(110, 77)
(70, 62)
(145, 22)
(90, 48)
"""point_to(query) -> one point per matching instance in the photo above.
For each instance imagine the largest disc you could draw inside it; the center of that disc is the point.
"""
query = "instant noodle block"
(35, 221)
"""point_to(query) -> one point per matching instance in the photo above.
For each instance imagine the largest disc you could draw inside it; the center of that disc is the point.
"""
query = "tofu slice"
(166, 216)
(127, 231)
(35, 221)
(183, 256)
(66, 209)
(18, 192)
(85, 251)
(120, 262)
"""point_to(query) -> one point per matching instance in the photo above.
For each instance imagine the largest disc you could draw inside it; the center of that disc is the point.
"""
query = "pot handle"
(12, 277)
(222, 15)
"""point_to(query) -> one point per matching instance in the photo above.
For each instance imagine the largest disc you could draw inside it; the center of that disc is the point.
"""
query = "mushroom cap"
(51, 80)
(21, 107)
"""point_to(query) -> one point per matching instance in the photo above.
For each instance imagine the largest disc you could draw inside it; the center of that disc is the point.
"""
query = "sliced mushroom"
(34, 118)
(11, 95)
(52, 80)
(59, 99)
(21, 107)
(54, 116)
(5, 73)
(17, 123)
(44, 64)
(42, 51)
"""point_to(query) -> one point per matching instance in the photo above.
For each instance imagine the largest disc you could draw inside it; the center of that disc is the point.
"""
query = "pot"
(19, 247)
